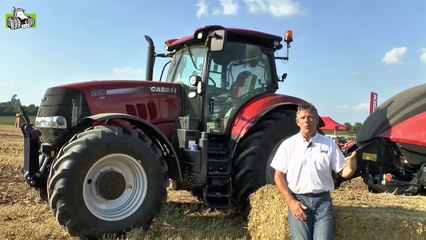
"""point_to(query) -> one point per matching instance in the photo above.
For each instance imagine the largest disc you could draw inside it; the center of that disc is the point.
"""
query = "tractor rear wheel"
(255, 151)
(108, 179)
(31, 21)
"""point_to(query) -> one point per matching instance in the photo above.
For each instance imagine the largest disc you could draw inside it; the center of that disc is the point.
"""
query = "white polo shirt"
(308, 166)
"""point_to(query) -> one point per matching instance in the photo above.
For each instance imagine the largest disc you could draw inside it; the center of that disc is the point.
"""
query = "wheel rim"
(115, 187)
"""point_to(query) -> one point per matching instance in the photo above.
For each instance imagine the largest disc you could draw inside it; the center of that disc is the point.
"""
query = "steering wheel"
(211, 80)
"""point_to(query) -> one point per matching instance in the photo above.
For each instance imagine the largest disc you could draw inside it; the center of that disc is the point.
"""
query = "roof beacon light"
(288, 37)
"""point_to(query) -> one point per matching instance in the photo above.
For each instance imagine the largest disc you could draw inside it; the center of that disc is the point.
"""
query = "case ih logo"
(19, 19)
(163, 89)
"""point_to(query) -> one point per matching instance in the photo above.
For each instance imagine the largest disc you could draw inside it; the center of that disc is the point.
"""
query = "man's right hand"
(298, 210)
(296, 207)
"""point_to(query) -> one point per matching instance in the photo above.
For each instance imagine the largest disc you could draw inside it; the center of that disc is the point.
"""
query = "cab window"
(186, 63)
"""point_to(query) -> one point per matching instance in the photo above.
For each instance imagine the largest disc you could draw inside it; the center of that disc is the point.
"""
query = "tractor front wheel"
(108, 179)
(13, 23)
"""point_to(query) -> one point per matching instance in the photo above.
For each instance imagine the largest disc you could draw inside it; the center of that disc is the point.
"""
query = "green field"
(10, 120)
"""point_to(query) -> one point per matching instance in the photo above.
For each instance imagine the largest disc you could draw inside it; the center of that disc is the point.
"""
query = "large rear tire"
(255, 151)
(31, 21)
(108, 179)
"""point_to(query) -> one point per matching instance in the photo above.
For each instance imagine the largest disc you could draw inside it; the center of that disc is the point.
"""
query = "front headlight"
(57, 122)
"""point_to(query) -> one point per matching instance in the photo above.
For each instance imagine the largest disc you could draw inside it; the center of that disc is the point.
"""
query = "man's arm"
(350, 167)
(296, 207)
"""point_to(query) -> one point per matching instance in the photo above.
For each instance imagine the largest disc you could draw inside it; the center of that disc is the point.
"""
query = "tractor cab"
(221, 71)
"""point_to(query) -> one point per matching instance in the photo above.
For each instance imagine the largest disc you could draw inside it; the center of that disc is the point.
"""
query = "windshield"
(186, 63)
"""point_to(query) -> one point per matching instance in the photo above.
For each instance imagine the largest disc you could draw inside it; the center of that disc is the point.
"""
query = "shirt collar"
(308, 144)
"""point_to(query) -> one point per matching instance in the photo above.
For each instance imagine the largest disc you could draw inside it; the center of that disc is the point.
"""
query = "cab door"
(186, 63)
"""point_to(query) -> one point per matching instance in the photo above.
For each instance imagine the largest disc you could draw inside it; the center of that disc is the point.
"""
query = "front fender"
(152, 132)
(253, 111)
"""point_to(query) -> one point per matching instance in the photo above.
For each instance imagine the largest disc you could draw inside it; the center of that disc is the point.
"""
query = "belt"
(314, 194)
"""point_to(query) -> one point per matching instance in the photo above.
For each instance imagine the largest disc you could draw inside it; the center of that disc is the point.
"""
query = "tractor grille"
(145, 111)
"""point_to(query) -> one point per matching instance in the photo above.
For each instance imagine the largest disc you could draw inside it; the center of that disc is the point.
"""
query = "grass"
(7, 120)
(10, 120)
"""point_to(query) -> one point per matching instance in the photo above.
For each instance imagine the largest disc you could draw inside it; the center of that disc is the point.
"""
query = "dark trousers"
(319, 224)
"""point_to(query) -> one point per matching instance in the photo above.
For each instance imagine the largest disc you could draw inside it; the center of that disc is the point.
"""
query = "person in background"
(303, 167)
(18, 120)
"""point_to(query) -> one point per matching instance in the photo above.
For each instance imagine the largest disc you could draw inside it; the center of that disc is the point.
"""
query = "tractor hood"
(395, 113)
(139, 98)
(157, 102)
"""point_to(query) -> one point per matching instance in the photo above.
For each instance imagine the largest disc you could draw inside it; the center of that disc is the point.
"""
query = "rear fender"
(150, 130)
(412, 131)
(252, 112)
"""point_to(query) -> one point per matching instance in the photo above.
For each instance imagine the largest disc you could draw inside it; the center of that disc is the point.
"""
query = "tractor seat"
(244, 83)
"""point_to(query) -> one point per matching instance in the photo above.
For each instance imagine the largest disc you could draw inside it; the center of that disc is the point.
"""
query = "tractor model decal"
(125, 91)
(18, 19)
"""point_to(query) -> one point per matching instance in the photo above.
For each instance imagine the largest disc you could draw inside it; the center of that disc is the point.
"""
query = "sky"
(342, 51)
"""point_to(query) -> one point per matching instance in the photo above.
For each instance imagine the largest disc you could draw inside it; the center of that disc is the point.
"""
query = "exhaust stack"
(150, 59)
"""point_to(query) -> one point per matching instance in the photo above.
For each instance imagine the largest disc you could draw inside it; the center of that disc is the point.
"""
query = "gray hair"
(307, 107)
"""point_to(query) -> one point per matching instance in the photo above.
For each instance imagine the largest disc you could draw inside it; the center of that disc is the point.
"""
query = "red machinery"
(392, 145)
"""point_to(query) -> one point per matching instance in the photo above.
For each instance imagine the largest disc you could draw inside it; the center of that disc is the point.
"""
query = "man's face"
(307, 122)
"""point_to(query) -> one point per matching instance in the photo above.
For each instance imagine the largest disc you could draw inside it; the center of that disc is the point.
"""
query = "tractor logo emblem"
(19, 19)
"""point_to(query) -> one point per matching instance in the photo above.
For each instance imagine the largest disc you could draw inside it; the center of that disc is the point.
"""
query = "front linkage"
(35, 162)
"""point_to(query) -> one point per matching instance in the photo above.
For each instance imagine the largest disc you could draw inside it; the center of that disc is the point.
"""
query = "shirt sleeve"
(338, 161)
(279, 161)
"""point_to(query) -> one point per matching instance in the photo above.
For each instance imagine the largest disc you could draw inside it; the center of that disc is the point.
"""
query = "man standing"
(303, 167)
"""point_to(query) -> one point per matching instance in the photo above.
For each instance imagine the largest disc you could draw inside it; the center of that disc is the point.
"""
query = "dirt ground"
(12, 190)
(24, 216)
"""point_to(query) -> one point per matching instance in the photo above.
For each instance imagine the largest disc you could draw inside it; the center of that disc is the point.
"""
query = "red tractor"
(101, 153)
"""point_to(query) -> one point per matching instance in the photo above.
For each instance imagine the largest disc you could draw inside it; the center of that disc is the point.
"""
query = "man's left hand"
(350, 167)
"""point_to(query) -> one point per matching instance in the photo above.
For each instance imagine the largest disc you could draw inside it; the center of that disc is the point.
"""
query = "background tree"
(31, 109)
(8, 109)
(356, 127)
(348, 125)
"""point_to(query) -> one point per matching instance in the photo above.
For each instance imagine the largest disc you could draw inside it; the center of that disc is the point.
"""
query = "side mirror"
(283, 77)
(217, 40)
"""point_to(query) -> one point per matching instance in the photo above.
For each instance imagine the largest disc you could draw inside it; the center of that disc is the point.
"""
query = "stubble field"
(24, 216)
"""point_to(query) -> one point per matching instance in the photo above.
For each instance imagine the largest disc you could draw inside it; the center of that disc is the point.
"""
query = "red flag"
(373, 102)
